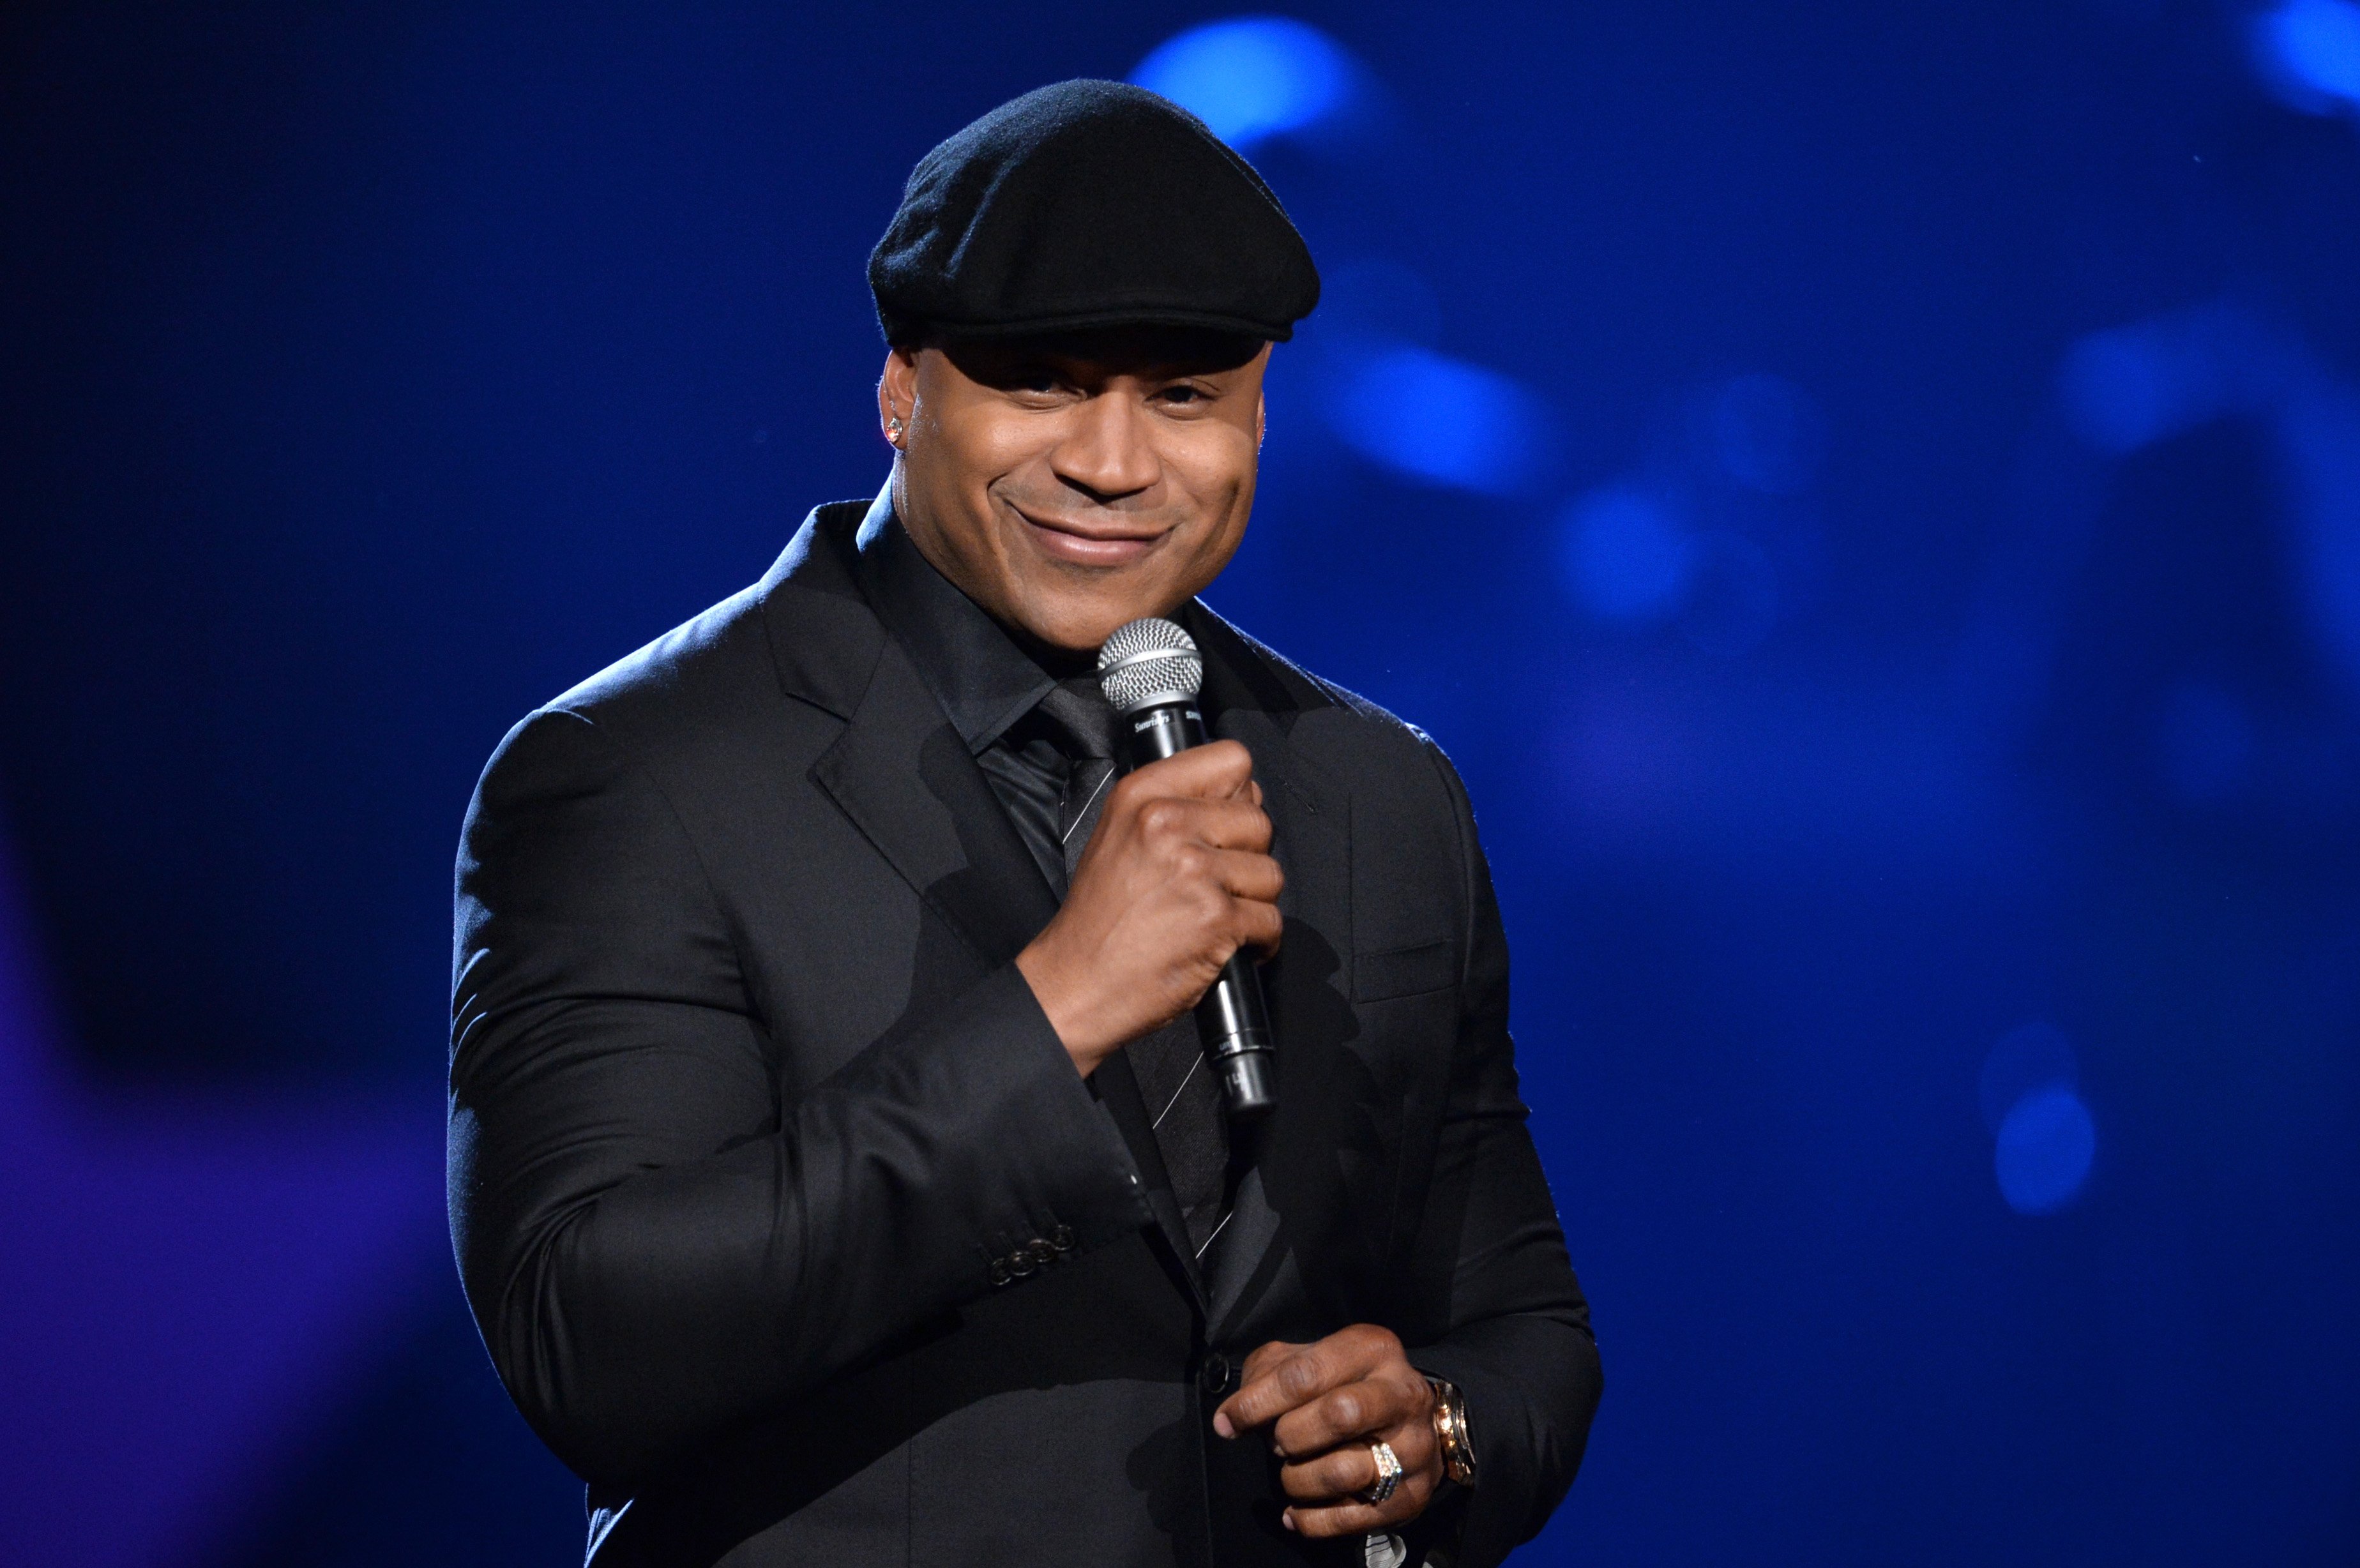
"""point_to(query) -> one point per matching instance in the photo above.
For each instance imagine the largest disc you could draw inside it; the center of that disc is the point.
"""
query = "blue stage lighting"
(1627, 556)
(2311, 51)
(1769, 433)
(2024, 1061)
(1732, 598)
(2044, 1149)
(1252, 77)
(2319, 435)
(1372, 298)
(2207, 741)
(1438, 418)
(2123, 388)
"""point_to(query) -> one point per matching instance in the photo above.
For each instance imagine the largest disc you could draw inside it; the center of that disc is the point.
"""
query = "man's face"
(1071, 484)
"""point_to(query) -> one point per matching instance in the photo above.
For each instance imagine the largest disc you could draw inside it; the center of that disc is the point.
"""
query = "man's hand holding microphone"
(1176, 877)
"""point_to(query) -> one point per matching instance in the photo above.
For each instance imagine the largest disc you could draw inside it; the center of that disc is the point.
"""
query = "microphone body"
(1231, 1020)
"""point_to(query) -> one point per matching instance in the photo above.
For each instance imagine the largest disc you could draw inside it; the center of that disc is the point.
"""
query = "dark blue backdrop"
(1870, 496)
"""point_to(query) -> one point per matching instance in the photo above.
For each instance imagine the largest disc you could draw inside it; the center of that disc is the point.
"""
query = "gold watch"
(1450, 1436)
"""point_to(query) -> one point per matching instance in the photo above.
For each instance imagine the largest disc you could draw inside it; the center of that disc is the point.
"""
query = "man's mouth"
(1094, 543)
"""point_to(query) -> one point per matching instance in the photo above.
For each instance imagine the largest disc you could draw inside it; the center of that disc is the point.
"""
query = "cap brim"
(1123, 316)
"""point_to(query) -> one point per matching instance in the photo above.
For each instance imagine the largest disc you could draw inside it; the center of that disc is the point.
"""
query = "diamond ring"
(1389, 1475)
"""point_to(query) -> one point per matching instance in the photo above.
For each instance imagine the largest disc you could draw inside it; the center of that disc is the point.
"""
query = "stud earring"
(893, 429)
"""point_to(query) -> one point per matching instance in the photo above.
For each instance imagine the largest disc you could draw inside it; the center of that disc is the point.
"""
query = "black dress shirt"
(991, 689)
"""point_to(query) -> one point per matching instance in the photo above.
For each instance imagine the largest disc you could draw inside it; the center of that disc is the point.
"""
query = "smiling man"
(833, 1171)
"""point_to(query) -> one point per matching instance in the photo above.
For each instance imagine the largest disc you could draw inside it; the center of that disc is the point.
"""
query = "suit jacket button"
(999, 1272)
(1061, 1238)
(1042, 1253)
(1020, 1262)
(1213, 1374)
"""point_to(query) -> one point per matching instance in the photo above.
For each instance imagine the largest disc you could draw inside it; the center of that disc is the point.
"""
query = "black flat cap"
(1089, 204)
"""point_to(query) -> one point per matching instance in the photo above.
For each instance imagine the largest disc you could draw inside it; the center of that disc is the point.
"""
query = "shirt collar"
(982, 677)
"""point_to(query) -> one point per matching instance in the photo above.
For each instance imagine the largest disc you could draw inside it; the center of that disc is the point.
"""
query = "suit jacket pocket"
(1405, 971)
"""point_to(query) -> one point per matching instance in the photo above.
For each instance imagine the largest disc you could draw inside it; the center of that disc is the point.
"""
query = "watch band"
(1450, 1435)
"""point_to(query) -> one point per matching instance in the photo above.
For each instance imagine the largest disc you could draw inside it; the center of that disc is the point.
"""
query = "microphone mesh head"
(1148, 663)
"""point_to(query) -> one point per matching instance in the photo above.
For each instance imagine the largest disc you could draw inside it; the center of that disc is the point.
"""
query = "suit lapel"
(898, 770)
(902, 774)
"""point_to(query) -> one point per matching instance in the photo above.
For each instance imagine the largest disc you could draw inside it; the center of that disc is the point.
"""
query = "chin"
(1080, 629)
(1078, 637)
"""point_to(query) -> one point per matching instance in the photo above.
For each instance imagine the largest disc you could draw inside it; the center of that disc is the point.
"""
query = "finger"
(1338, 1476)
(1347, 1509)
(1357, 1518)
(1258, 1361)
(1216, 771)
(1184, 818)
(1345, 1473)
(1266, 1392)
(1260, 927)
(1244, 874)
(1231, 825)
(1264, 1358)
(1295, 1379)
(1346, 1415)
(1259, 930)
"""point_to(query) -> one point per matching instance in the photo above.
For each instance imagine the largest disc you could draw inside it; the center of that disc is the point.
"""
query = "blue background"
(1869, 495)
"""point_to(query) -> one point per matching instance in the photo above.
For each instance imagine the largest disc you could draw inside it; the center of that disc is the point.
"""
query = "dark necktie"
(1183, 1101)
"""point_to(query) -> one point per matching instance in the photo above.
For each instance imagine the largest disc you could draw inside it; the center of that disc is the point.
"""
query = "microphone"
(1150, 672)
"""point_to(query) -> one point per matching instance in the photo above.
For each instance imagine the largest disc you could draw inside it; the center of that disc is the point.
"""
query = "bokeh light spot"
(1438, 418)
(2312, 47)
(2044, 1149)
(2121, 389)
(1627, 557)
(1252, 77)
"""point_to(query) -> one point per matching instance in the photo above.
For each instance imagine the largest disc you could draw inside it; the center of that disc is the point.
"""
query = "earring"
(893, 429)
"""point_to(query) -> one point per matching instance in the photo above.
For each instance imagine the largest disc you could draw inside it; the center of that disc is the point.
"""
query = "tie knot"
(1082, 716)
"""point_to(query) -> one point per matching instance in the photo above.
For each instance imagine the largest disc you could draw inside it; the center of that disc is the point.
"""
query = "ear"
(897, 396)
(1262, 393)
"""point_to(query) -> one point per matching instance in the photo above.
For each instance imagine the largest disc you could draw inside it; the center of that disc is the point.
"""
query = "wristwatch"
(1450, 1436)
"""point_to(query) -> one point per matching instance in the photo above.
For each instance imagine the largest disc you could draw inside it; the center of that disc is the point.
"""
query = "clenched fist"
(1176, 877)
(1323, 1406)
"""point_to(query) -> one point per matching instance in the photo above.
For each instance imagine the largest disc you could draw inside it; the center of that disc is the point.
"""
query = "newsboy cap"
(1089, 204)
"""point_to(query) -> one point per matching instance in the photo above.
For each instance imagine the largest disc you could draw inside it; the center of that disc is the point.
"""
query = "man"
(832, 1170)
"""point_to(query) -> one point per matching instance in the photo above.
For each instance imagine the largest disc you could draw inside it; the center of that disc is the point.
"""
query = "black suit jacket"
(747, 1099)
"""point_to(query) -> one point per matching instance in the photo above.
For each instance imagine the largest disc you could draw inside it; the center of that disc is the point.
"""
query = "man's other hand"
(1176, 877)
(1324, 1405)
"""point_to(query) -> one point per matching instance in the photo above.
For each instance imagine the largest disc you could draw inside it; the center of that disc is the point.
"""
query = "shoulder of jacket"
(1395, 769)
(707, 661)
(1367, 722)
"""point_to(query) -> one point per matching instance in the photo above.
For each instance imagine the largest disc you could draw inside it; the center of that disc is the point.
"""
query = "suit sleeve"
(656, 1242)
(1518, 1341)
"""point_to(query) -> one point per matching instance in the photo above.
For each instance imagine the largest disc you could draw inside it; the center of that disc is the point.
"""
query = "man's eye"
(1029, 378)
(1183, 395)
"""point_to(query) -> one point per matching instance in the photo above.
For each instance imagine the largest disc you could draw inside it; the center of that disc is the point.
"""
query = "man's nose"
(1107, 450)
